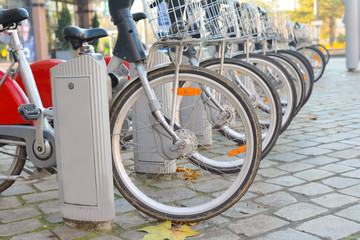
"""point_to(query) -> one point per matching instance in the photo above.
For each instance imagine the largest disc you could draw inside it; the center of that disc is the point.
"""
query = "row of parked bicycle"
(187, 137)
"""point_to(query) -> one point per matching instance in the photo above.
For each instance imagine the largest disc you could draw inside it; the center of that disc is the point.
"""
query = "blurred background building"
(41, 34)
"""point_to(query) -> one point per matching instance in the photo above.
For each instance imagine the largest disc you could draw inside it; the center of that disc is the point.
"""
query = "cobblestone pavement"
(307, 188)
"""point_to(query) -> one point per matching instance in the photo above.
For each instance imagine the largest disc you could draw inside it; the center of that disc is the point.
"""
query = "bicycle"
(195, 197)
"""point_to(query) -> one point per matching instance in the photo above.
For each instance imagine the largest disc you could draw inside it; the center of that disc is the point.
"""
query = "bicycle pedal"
(29, 112)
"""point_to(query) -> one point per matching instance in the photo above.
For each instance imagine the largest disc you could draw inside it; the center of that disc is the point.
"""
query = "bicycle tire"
(10, 166)
(324, 50)
(284, 84)
(260, 91)
(295, 74)
(304, 65)
(169, 197)
(317, 60)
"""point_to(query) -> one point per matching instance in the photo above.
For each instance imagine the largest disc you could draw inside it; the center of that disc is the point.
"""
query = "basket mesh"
(180, 19)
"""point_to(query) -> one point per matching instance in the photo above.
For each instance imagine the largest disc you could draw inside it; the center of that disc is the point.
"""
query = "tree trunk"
(332, 31)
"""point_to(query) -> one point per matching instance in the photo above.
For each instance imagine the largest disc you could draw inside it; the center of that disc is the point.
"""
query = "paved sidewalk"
(308, 187)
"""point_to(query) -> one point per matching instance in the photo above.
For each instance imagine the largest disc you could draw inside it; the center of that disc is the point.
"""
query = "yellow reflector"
(237, 151)
(188, 91)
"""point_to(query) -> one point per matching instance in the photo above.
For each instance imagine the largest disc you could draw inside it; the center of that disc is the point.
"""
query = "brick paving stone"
(283, 140)
(349, 153)
(318, 133)
(330, 227)
(10, 229)
(194, 201)
(277, 199)
(9, 202)
(216, 234)
(311, 189)
(286, 157)
(304, 143)
(243, 209)
(128, 220)
(341, 182)
(313, 174)
(67, 233)
(326, 139)
(210, 186)
(54, 218)
(50, 184)
(298, 137)
(333, 200)
(13, 215)
(251, 226)
(43, 235)
(107, 238)
(40, 197)
(295, 166)
(351, 141)
(132, 235)
(17, 190)
(122, 206)
(351, 213)
(353, 174)
(351, 163)
(271, 172)
(353, 191)
(313, 151)
(300, 211)
(284, 148)
(288, 234)
(336, 146)
(337, 168)
(321, 160)
(267, 163)
(49, 207)
(215, 221)
(287, 181)
(263, 188)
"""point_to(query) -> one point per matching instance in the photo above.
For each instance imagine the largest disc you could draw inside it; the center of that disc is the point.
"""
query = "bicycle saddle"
(77, 36)
(12, 16)
(139, 16)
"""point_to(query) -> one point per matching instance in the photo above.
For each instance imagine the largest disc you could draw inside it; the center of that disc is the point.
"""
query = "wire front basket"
(192, 19)
(248, 20)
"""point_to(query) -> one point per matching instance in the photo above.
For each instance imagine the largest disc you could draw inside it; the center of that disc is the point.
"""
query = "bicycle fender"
(41, 72)
(11, 98)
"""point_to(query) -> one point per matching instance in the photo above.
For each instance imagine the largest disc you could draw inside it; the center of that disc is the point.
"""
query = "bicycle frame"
(38, 135)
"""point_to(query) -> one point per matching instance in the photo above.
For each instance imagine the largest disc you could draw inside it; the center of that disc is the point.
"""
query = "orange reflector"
(266, 100)
(318, 60)
(237, 151)
(304, 76)
(238, 72)
(187, 91)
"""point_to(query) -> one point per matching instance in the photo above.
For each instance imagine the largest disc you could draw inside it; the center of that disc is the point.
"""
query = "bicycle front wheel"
(187, 188)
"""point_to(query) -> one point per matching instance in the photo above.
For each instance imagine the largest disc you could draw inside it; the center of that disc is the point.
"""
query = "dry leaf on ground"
(163, 231)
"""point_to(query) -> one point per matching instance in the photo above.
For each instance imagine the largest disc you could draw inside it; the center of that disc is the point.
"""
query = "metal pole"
(352, 36)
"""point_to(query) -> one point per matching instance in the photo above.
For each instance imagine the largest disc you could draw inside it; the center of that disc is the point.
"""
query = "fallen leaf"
(244, 212)
(188, 175)
(180, 169)
(163, 231)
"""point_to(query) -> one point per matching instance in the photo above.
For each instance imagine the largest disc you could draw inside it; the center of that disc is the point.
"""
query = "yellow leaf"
(188, 175)
(163, 231)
